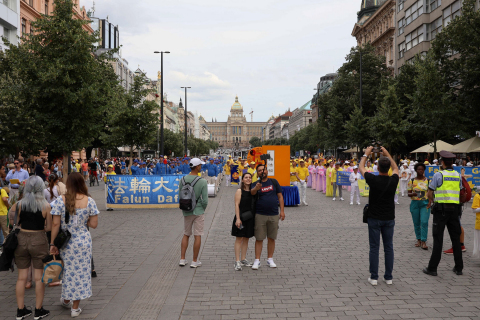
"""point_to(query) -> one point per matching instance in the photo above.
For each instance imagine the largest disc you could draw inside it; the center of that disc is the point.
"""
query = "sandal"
(418, 244)
(424, 245)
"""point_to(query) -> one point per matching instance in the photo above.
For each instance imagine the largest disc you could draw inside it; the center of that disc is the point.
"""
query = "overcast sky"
(269, 53)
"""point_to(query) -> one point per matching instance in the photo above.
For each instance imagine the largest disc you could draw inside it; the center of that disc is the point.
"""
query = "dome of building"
(201, 118)
(367, 9)
(371, 3)
(237, 104)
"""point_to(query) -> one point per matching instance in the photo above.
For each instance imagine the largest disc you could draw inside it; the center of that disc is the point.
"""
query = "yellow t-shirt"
(293, 177)
(476, 205)
(420, 187)
(334, 174)
(109, 173)
(77, 166)
(303, 173)
(3, 207)
(253, 173)
(226, 168)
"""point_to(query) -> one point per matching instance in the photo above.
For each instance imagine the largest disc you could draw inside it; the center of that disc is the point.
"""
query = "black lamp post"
(185, 129)
(360, 79)
(161, 101)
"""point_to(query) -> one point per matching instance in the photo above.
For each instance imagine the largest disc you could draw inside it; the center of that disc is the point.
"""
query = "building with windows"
(419, 21)
(278, 124)
(9, 21)
(31, 10)
(323, 86)
(237, 131)
(266, 128)
(376, 25)
(301, 117)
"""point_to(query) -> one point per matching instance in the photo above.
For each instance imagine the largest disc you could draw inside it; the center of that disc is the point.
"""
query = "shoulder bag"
(9, 246)
(63, 236)
(365, 209)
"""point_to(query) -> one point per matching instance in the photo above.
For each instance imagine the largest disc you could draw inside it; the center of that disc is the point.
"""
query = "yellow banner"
(364, 188)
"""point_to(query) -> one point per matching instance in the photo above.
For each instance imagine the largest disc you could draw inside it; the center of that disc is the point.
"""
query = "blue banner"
(471, 174)
(124, 191)
(235, 179)
(343, 177)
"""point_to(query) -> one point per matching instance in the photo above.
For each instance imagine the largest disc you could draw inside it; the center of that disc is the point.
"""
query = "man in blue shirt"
(17, 173)
(212, 173)
(267, 217)
(123, 165)
(134, 168)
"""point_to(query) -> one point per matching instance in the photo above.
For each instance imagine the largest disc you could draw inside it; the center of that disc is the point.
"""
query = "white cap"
(405, 164)
(195, 162)
(469, 164)
(355, 167)
(347, 162)
(376, 161)
(435, 161)
(454, 165)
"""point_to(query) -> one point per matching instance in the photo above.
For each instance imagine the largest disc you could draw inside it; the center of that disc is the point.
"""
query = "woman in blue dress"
(77, 253)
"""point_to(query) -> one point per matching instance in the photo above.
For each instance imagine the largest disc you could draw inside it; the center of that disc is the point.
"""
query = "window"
(401, 50)
(400, 5)
(451, 12)
(46, 7)
(30, 2)
(433, 4)
(6, 33)
(401, 26)
(414, 38)
(24, 26)
(412, 13)
(434, 28)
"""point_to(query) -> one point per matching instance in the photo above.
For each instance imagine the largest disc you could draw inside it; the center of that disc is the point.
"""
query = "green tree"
(433, 115)
(63, 86)
(255, 142)
(456, 49)
(358, 130)
(135, 125)
(389, 124)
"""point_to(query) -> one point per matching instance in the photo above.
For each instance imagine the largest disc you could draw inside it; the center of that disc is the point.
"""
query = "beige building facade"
(237, 131)
(376, 25)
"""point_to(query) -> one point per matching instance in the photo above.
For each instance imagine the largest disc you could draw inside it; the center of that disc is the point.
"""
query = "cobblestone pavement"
(322, 259)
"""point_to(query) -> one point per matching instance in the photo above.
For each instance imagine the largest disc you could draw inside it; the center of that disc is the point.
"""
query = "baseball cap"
(253, 162)
(355, 167)
(110, 166)
(195, 162)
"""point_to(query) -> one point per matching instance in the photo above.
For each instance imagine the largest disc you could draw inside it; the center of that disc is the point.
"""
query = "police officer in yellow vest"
(446, 211)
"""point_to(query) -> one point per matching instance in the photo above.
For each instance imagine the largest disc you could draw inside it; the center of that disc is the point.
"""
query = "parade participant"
(375, 166)
(134, 168)
(16, 173)
(253, 172)
(405, 176)
(310, 167)
(212, 173)
(334, 182)
(227, 168)
(293, 169)
(161, 168)
(243, 229)
(354, 177)
(240, 167)
(267, 217)
(4, 206)
(194, 219)
(446, 184)
(476, 232)
(329, 181)
(417, 191)
(123, 166)
(381, 213)
(302, 177)
(109, 172)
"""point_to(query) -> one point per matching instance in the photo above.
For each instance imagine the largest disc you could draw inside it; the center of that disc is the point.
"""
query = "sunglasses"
(16, 163)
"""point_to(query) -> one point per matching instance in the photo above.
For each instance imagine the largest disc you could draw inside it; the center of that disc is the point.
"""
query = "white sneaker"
(396, 202)
(305, 204)
(388, 281)
(195, 264)
(66, 305)
(342, 199)
(358, 203)
(75, 313)
(271, 264)
(238, 266)
(333, 199)
(351, 203)
(182, 263)
(372, 282)
(256, 264)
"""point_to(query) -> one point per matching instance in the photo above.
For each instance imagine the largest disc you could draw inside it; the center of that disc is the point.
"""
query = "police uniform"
(446, 213)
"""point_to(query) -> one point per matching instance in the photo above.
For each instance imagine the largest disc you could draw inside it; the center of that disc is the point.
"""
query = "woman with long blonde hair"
(75, 212)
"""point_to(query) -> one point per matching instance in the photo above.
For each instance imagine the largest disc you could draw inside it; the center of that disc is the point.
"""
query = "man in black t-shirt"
(266, 217)
(381, 212)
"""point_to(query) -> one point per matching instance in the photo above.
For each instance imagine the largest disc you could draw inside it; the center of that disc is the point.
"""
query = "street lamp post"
(185, 129)
(360, 80)
(161, 100)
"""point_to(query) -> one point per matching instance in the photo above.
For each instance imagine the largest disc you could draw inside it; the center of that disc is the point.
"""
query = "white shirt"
(353, 176)
(46, 193)
(405, 173)
(375, 168)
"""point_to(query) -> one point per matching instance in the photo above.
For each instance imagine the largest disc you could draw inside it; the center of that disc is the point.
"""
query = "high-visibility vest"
(449, 191)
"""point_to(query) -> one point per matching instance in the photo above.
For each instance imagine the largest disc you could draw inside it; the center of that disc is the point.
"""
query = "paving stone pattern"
(322, 259)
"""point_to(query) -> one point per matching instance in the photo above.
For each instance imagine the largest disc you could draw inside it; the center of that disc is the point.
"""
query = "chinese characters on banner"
(125, 191)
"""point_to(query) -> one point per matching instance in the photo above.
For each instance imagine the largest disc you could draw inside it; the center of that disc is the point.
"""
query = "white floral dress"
(77, 254)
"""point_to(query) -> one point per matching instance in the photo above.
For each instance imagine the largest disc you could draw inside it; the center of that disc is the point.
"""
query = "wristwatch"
(364, 155)
(52, 245)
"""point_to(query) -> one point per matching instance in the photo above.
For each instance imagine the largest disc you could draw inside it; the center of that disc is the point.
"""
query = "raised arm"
(363, 160)
(392, 163)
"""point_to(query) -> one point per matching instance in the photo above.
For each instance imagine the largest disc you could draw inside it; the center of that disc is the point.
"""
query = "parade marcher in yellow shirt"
(293, 170)
(228, 173)
(302, 176)
(329, 183)
(253, 171)
(109, 172)
(334, 181)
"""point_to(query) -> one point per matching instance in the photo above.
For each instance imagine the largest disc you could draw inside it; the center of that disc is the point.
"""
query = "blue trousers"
(375, 229)
(420, 217)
